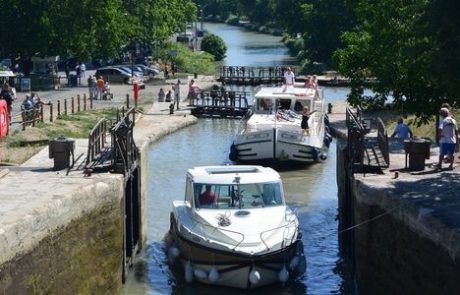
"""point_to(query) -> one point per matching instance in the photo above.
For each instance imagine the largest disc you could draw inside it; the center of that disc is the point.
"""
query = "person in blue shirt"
(402, 130)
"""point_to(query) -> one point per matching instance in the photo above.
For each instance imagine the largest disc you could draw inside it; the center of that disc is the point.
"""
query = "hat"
(444, 112)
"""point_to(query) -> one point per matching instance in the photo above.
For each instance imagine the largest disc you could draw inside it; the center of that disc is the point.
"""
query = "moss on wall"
(85, 257)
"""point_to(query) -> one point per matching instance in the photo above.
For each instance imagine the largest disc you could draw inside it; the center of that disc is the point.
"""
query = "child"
(304, 124)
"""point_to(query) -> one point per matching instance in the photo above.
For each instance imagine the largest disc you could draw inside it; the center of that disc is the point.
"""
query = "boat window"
(233, 196)
(284, 104)
(300, 104)
(264, 104)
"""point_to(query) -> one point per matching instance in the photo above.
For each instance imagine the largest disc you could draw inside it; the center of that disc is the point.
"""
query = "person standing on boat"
(207, 197)
(289, 77)
(305, 117)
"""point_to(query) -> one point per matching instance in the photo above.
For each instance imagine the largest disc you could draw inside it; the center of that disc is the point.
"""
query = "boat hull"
(279, 146)
(235, 269)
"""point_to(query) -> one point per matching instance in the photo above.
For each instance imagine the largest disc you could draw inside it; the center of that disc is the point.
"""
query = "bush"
(233, 20)
(188, 61)
(214, 45)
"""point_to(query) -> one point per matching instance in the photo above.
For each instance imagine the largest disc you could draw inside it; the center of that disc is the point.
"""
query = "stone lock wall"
(393, 259)
(83, 257)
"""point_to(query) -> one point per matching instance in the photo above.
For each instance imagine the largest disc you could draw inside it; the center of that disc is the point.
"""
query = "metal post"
(23, 113)
(78, 102)
(65, 106)
(127, 101)
(41, 113)
(51, 112)
(73, 105)
(84, 102)
(91, 102)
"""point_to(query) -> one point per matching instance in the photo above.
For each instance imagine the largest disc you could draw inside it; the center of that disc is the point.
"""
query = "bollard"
(51, 111)
(91, 102)
(84, 102)
(65, 106)
(127, 101)
(329, 108)
(58, 108)
(171, 108)
(41, 113)
(23, 114)
(78, 102)
(72, 105)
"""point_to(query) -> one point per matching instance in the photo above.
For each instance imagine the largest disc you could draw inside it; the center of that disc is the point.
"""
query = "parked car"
(113, 75)
(127, 69)
(148, 71)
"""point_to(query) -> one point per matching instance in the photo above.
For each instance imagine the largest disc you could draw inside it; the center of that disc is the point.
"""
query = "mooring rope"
(369, 220)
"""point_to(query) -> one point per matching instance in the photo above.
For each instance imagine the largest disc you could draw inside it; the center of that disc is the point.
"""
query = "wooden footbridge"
(252, 75)
(220, 104)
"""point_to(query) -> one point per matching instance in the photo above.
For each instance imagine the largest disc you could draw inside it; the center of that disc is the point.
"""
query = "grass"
(19, 146)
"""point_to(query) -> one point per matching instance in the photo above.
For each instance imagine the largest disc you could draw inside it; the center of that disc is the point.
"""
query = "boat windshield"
(228, 196)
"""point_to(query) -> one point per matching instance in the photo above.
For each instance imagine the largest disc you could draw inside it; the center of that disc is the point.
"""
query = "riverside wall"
(401, 234)
(61, 232)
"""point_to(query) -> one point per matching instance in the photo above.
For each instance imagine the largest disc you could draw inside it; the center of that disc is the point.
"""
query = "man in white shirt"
(448, 138)
(289, 77)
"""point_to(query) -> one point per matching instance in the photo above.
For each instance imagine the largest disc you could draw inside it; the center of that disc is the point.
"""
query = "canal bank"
(400, 228)
(65, 230)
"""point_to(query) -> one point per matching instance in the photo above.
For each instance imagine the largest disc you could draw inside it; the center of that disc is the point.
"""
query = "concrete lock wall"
(81, 248)
(395, 250)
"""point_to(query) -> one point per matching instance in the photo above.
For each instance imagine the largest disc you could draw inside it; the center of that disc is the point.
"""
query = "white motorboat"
(245, 236)
(273, 131)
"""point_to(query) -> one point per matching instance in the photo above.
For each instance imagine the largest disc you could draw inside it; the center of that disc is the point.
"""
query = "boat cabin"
(233, 187)
(269, 99)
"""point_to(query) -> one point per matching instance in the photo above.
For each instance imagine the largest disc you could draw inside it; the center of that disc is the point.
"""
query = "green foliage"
(86, 29)
(189, 61)
(233, 20)
(412, 53)
(214, 45)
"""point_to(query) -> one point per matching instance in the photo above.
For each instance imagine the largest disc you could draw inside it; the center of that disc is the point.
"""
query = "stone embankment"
(405, 232)
(63, 230)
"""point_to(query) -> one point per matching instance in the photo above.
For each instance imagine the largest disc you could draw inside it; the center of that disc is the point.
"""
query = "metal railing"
(96, 140)
(382, 138)
(124, 151)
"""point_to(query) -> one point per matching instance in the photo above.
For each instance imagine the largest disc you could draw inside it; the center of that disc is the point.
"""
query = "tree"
(214, 45)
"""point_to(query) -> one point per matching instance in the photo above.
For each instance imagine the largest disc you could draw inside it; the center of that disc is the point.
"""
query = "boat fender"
(327, 129)
(283, 275)
(314, 154)
(323, 156)
(213, 275)
(326, 141)
(200, 274)
(326, 120)
(254, 277)
(294, 263)
(173, 253)
(233, 156)
(188, 272)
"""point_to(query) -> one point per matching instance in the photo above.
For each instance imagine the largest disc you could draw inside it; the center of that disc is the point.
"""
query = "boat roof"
(226, 174)
(285, 92)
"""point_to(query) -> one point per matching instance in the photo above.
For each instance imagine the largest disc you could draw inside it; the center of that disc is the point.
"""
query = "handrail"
(279, 227)
(96, 140)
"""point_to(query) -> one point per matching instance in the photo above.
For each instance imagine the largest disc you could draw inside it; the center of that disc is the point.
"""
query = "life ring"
(4, 119)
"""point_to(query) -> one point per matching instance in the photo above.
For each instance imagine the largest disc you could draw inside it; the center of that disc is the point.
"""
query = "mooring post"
(51, 111)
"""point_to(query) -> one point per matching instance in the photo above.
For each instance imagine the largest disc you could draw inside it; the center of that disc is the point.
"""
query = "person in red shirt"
(207, 197)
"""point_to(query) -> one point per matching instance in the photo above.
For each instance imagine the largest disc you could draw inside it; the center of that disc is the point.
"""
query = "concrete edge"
(25, 234)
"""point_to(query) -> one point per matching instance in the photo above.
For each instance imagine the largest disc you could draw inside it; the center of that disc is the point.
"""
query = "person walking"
(289, 77)
(447, 138)
(177, 94)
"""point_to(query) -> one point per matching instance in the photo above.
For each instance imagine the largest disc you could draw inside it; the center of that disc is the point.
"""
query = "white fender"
(294, 262)
(213, 275)
(188, 272)
(200, 274)
(173, 253)
(283, 275)
(254, 277)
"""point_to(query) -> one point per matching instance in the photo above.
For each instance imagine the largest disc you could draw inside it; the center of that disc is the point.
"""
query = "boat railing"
(292, 223)
(196, 222)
